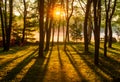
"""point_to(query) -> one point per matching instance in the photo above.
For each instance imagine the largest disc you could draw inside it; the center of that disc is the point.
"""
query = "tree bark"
(67, 21)
(107, 8)
(24, 21)
(85, 26)
(97, 23)
(110, 27)
(41, 27)
(2, 25)
(8, 33)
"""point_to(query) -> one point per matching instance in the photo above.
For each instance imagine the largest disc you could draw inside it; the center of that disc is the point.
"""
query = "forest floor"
(21, 64)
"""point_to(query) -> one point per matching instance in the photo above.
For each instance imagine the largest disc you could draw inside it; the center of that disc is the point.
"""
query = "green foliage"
(75, 32)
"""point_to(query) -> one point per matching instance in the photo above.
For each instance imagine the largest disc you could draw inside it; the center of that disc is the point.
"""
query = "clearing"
(21, 64)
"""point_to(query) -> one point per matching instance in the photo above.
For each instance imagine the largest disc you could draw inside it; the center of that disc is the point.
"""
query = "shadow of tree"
(37, 71)
(108, 65)
(89, 61)
(111, 67)
(11, 74)
(12, 59)
(110, 50)
(72, 61)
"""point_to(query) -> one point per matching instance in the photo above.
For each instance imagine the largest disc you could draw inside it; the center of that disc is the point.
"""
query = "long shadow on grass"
(38, 70)
(11, 60)
(61, 65)
(11, 75)
(114, 52)
(108, 65)
(91, 65)
(72, 61)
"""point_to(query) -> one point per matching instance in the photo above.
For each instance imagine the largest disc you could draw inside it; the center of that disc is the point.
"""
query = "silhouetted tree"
(24, 19)
(97, 24)
(68, 16)
(86, 25)
(111, 13)
(41, 26)
(2, 24)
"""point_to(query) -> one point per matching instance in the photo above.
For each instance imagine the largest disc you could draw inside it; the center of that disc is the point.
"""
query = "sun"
(57, 13)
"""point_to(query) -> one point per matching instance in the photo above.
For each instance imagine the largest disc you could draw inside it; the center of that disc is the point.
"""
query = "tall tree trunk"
(110, 27)
(85, 25)
(110, 35)
(53, 32)
(8, 35)
(97, 23)
(90, 27)
(2, 24)
(6, 25)
(47, 28)
(41, 27)
(67, 21)
(48, 36)
(24, 21)
(58, 31)
(107, 8)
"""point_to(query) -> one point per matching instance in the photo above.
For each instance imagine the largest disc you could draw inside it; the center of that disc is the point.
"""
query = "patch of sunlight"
(53, 68)
(84, 65)
(23, 72)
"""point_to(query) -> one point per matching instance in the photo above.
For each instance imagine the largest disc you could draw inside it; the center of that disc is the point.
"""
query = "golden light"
(58, 13)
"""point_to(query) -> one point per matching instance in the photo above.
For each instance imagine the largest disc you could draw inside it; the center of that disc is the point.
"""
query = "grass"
(21, 64)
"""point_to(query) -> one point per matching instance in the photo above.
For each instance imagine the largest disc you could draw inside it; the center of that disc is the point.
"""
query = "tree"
(7, 25)
(49, 23)
(2, 23)
(8, 29)
(107, 8)
(85, 25)
(97, 23)
(68, 16)
(41, 26)
(111, 13)
(76, 29)
(24, 19)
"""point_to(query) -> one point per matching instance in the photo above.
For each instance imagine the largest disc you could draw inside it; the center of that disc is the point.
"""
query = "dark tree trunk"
(85, 26)
(41, 27)
(97, 23)
(107, 8)
(24, 21)
(110, 27)
(2, 26)
(48, 36)
(47, 29)
(90, 27)
(6, 25)
(8, 35)
(58, 31)
(53, 27)
(68, 20)
(66, 37)
(110, 35)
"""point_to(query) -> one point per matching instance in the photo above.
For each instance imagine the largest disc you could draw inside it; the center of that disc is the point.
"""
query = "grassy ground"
(21, 64)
